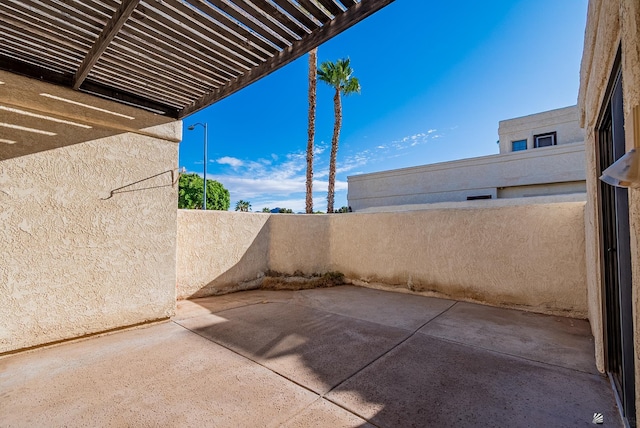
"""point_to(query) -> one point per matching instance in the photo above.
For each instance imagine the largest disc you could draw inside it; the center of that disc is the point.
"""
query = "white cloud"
(227, 160)
(319, 149)
(354, 161)
(412, 140)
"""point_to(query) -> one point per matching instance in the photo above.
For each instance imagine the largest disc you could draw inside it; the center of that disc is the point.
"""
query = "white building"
(540, 154)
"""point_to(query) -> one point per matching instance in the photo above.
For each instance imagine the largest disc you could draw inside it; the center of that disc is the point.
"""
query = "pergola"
(171, 57)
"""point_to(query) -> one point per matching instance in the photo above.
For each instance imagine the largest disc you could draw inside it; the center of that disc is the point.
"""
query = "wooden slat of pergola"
(296, 12)
(203, 28)
(115, 65)
(122, 56)
(166, 59)
(245, 36)
(317, 12)
(184, 46)
(250, 16)
(331, 6)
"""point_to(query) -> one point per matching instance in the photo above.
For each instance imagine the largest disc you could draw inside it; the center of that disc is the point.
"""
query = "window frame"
(526, 144)
(553, 134)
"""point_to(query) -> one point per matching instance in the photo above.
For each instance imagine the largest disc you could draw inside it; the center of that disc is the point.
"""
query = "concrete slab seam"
(363, 417)
(319, 399)
(236, 307)
(247, 358)
(304, 409)
(371, 321)
(520, 357)
(381, 356)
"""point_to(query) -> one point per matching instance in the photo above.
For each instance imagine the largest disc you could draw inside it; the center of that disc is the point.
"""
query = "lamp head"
(191, 127)
(625, 172)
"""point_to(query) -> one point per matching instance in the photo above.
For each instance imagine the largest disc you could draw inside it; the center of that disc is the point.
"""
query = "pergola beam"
(108, 33)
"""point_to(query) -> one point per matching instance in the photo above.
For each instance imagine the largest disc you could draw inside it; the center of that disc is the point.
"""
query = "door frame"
(615, 261)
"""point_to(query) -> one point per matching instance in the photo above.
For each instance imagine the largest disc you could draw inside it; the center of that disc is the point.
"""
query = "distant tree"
(342, 210)
(266, 210)
(311, 129)
(285, 211)
(243, 206)
(190, 190)
(338, 75)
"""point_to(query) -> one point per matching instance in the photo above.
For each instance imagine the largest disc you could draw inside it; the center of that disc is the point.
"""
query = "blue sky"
(436, 78)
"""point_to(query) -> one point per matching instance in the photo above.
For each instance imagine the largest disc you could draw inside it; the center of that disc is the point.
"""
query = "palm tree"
(313, 63)
(339, 76)
(243, 206)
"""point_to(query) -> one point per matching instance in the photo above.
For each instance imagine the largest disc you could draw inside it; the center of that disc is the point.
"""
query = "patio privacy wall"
(515, 254)
(610, 24)
(88, 232)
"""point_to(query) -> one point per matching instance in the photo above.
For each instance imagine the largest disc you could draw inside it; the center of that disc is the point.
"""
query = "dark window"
(544, 140)
(473, 198)
(516, 146)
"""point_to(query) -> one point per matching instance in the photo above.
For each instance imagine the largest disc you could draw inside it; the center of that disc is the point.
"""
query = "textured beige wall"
(569, 187)
(513, 254)
(300, 243)
(529, 255)
(609, 24)
(220, 251)
(76, 258)
(563, 121)
(454, 181)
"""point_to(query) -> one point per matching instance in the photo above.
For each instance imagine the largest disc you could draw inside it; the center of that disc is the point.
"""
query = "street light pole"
(204, 191)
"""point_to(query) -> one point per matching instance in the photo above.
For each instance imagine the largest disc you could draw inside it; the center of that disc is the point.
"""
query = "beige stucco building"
(608, 103)
(549, 128)
(540, 154)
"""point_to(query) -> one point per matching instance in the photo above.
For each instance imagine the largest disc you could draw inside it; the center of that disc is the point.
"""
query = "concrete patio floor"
(344, 356)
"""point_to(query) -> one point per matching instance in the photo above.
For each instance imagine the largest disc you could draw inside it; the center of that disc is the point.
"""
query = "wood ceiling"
(172, 57)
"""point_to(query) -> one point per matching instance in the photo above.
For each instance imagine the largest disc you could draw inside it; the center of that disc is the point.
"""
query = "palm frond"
(337, 74)
(352, 86)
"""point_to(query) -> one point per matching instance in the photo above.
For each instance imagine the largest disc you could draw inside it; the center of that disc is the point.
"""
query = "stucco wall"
(455, 181)
(515, 254)
(569, 187)
(610, 24)
(88, 227)
(219, 251)
(301, 243)
(563, 121)
(528, 255)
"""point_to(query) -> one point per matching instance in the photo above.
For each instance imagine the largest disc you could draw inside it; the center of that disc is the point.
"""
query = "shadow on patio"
(345, 356)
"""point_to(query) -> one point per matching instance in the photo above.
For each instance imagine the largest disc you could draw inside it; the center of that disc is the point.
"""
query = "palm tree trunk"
(313, 55)
(337, 109)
